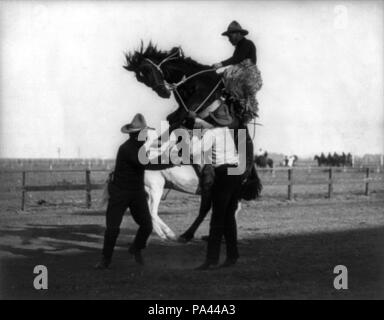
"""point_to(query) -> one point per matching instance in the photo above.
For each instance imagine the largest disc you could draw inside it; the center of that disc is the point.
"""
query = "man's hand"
(217, 66)
(170, 86)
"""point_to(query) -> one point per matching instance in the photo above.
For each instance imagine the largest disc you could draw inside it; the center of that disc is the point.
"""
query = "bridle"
(179, 52)
(173, 87)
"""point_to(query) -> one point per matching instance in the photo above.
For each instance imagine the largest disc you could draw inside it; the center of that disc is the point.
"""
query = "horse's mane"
(135, 58)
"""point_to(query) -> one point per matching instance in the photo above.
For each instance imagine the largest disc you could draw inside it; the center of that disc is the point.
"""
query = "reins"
(173, 87)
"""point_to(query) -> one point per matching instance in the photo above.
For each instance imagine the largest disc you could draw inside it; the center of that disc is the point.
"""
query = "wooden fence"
(87, 186)
(330, 181)
(290, 181)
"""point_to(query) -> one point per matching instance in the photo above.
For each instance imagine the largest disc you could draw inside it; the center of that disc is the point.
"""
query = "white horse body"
(180, 178)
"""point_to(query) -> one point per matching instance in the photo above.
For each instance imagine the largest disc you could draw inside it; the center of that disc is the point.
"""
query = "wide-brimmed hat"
(234, 26)
(138, 123)
(221, 115)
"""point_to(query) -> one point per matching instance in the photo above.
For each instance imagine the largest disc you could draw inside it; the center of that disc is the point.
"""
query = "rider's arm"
(245, 50)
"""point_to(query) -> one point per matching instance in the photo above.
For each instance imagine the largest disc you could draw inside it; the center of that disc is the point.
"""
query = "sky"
(63, 91)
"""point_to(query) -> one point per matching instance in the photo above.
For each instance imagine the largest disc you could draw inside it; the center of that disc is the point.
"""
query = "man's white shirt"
(216, 147)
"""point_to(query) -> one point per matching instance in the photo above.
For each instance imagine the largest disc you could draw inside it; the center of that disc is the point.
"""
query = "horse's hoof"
(171, 237)
(184, 239)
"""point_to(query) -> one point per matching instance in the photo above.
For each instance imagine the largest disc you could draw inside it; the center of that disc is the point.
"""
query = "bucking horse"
(195, 88)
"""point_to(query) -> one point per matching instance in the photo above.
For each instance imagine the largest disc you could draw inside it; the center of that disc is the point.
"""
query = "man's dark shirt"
(245, 49)
(129, 172)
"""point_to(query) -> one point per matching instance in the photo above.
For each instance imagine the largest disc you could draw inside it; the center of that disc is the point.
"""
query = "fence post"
(367, 183)
(330, 183)
(88, 187)
(289, 184)
(23, 191)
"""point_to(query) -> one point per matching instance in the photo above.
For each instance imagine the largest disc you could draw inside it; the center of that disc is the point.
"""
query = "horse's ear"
(177, 50)
(181, 53)
(141, 46)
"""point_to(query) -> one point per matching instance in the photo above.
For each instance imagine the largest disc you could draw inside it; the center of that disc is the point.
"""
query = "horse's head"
(146, 64)
(156, 69)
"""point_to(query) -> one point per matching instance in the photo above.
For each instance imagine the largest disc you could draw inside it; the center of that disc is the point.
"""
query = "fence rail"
(290, 181)
(330, 181)
(87, 186)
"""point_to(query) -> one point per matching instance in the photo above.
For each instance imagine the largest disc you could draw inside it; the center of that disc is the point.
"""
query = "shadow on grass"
(293, 266)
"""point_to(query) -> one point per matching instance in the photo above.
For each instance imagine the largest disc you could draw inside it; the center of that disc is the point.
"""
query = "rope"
(191, 76)
(174, 89)
(164, 197)
(207, 98)
(157, 66)
(181, 99)
(169, 58)
(254, 128)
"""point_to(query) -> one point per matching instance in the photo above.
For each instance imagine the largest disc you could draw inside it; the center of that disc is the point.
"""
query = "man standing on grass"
(126, 190)
(226, 187)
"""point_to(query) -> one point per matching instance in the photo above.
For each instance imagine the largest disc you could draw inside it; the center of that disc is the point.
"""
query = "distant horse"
(319, 160)
(334, 160)
(195, 87)
(262, 161)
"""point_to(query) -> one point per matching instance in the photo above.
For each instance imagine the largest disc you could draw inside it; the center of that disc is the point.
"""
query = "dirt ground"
(288, 251)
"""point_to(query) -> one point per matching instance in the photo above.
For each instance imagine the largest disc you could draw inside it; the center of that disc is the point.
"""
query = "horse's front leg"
(207, 180)
(159, 225)
(154, 187)
(238, 210)
(205, 206)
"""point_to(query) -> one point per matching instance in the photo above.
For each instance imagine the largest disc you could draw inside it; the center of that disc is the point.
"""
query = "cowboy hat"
(221, 115)
(234, 26)
(138, 123)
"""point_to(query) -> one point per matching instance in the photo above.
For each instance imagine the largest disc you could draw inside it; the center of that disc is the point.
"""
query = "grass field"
(288, 248)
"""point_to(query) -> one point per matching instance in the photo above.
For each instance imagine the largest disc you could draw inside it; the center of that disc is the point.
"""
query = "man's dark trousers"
(225, 198)
(118, 203)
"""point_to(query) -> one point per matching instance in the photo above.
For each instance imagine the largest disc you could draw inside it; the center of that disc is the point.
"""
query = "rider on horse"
(242, 80)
